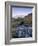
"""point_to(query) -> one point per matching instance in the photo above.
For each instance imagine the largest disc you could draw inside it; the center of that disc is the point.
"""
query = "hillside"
(26, 20)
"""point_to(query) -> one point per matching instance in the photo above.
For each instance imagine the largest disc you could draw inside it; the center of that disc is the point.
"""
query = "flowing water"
(23, 31)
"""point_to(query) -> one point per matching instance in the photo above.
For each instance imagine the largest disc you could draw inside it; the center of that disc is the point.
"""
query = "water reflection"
(23, 31)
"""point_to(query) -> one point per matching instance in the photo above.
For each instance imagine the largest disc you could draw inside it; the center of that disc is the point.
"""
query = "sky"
(20, 12)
